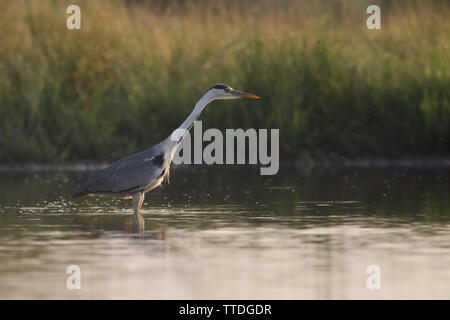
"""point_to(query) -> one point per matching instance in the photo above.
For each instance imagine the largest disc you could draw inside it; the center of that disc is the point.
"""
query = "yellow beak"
(244, 94)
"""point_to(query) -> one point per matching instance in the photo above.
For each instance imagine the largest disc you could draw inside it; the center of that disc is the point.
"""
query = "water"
(228, 233)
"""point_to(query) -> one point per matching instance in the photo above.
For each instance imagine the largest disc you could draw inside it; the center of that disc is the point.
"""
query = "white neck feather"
(201, 104)
(177, 136)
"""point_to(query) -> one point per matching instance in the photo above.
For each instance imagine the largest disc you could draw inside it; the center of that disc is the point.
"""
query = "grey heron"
(131, 177)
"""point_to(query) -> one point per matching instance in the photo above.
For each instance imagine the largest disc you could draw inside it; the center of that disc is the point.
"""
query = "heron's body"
(133, 176)
(140, 172)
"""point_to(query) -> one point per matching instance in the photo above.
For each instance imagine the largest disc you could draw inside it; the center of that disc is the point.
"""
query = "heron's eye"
(227, 90)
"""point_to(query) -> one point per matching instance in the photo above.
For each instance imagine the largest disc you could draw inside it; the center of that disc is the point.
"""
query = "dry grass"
(135, 71)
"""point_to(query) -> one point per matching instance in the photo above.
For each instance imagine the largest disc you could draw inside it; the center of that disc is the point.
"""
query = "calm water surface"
(228, 233)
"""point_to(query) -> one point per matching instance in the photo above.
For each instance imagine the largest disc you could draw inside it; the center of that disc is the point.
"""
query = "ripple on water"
(219, 236)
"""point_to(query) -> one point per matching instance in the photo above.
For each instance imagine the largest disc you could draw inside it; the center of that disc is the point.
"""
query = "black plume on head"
(219, 86)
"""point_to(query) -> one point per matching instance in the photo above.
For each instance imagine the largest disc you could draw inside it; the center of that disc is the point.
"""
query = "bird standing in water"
(131, 177)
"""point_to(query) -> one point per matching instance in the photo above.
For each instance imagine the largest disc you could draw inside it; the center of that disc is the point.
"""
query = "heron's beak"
(244, 94)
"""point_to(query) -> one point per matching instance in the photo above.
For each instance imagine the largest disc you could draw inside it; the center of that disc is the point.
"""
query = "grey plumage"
(133, 176)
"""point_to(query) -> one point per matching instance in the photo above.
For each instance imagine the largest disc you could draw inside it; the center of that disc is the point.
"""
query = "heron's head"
(222, 91)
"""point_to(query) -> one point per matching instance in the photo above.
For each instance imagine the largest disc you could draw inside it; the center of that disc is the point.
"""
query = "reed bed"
(135, 70)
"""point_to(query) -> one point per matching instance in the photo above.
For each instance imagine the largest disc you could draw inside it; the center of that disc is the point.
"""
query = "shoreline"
(307, 160)
(304, 162)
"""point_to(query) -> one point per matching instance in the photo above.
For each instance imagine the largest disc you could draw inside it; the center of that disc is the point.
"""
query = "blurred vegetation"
(136, 68)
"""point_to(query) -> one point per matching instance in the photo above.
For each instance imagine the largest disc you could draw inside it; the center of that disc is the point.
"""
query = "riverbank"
(327, 82)
(305, 162)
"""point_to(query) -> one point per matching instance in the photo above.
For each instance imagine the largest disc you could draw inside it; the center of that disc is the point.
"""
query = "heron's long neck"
(201, 104)
(179, 134)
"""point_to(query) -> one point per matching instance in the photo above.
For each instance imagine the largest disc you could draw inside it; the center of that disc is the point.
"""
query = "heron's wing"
(129, 174)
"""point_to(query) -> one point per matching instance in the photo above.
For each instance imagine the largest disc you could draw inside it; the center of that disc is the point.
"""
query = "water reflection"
(230, 233)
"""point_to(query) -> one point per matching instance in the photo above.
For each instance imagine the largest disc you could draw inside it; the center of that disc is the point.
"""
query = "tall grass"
(134, 71)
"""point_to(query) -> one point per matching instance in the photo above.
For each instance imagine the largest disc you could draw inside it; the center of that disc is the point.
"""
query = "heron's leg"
(141, 201)
(138, 219)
